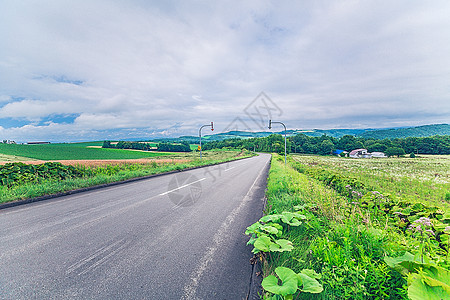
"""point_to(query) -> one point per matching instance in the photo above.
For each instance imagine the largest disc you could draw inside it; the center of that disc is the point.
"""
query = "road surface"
(177, 236)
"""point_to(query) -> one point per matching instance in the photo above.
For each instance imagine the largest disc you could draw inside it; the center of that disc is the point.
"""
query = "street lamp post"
(270, 127)
(200, 135)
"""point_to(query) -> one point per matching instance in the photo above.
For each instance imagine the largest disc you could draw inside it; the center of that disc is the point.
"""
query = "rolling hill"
(390, 133)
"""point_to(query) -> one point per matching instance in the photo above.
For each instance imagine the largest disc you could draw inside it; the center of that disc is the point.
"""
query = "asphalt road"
(177, 236)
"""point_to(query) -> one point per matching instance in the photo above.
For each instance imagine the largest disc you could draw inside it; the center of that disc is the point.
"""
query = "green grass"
(76, 151)
(114, 173)
(424, 179)
(344, 241)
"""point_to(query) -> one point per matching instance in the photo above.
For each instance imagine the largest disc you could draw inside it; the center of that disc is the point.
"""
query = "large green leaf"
(270, 218)
(263, 243)
(285, 245)
(310, 285)
(253, 228)
(407, 262)
(290, 219)
(436, 277)
(311, 273)
(394, 261)
(252, 240)
(289, 282)
(270, 229)
(419, 290)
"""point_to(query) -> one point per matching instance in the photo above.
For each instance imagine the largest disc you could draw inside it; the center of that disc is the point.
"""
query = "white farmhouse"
(359, 153)
(362, 153)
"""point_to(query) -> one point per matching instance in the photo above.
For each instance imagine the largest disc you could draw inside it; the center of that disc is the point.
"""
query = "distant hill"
(419, 131)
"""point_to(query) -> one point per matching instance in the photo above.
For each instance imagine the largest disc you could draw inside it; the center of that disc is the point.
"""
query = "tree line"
(325, 145)
(165, 147)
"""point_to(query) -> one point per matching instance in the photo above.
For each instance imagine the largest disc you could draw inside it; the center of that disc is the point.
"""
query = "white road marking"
(183, 186)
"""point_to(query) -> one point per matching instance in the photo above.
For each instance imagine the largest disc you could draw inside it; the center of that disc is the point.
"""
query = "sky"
(96, 70)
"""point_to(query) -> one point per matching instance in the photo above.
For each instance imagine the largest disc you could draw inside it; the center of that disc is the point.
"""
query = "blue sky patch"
(55, 118)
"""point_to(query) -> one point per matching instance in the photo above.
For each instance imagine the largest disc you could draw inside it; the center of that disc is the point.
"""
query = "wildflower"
(355, 203)
(415, 227)
(398, 213)
(423, 220)
(447, 229)
(430, 232)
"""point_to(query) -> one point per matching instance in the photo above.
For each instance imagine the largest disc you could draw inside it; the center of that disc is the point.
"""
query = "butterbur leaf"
(407, 262)
(299, 216)
(309, 285)
(275, 248)
(289, 218)
(294, 222)
(285, 245)
(436, 277)
(270, 218)
(277, 226)
(269, 229)
(253, 228)
(289, 282)
(299, 207)
(311, 273)
(419, 290)
(263, 243)
(252, 240)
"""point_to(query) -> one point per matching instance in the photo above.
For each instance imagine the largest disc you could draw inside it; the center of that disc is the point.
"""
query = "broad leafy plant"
(265, 238)
(426, 280)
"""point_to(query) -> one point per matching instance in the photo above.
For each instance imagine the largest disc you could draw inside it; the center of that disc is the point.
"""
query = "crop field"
(425, 178)
(27, 180)
(355, 229)
(76, 151)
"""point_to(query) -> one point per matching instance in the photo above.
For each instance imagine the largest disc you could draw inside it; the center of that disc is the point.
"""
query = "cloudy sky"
(92, 69)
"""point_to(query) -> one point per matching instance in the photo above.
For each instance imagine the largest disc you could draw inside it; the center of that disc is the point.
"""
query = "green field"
(425, 178)
(22, 181)
(355, 228)
(73, 151)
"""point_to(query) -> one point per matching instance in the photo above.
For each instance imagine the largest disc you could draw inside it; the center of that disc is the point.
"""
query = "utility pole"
(200, 135)
(270, 127)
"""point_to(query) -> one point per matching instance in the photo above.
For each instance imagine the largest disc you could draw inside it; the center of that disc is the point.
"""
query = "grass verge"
(109, 174)
(358, 243)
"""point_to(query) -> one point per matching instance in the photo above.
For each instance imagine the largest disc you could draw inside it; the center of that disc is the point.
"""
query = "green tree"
(392, 151)
(326, 147)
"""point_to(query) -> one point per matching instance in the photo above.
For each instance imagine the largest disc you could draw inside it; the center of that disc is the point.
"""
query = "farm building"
(362, 153)
(359, 153)
(378, 154)
(38, 143)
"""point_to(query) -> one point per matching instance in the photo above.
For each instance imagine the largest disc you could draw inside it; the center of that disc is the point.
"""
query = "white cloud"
(152, 64)
(34, 109)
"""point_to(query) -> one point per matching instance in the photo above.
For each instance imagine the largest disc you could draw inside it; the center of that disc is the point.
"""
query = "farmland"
(425, 178)
(76, 151)
(356, 229)
(54, 168)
